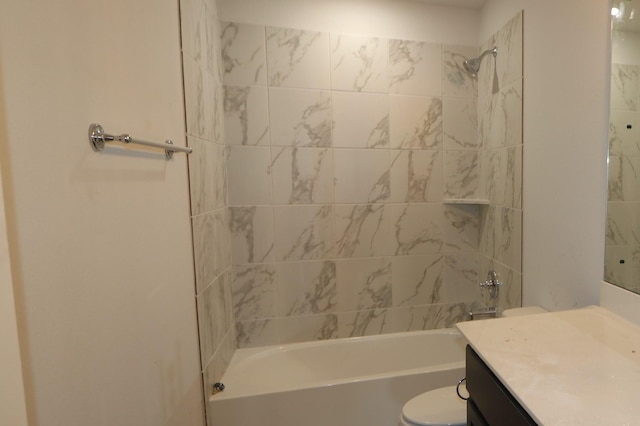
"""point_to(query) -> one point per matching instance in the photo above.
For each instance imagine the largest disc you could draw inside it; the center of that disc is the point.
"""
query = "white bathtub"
(361, 381)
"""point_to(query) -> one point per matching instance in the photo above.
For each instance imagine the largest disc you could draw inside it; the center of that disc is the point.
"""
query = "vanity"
(577, 367)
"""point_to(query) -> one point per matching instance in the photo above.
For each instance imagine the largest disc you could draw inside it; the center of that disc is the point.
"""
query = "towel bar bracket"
(98, 138)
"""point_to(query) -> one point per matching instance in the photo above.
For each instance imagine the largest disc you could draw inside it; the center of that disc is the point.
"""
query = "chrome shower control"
(492, 284)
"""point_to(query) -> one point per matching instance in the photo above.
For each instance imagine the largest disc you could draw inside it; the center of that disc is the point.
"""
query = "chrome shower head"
(473, 65)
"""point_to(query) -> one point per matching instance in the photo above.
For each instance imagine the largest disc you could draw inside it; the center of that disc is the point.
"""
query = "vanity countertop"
(577, 367)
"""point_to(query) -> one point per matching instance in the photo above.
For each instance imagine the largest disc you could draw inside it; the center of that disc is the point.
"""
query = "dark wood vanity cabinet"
(490, 403)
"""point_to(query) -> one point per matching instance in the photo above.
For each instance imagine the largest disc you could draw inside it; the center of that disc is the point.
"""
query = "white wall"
(100, 242)
(566, 69)
(403, 19)
(13, 409)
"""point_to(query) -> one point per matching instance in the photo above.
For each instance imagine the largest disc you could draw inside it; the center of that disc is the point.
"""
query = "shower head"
(473, 65)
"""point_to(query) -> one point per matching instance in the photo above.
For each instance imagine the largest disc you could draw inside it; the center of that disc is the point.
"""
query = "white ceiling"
(468, 4)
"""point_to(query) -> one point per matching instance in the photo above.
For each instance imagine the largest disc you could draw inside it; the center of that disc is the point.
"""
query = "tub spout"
(483, 313)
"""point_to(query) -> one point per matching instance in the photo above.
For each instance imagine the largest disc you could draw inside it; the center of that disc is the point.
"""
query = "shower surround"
(622, 249)
(343, 153)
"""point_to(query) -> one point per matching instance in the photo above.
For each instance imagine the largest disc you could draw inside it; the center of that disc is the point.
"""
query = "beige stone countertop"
(577, 367)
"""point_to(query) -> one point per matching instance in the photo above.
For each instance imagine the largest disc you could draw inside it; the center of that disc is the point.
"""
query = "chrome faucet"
(492, 284)
(483, 313)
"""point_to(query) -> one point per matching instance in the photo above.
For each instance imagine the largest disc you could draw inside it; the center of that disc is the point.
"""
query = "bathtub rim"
(242, 354)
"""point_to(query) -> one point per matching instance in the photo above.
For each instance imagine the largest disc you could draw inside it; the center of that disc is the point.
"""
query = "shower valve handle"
(492, 284)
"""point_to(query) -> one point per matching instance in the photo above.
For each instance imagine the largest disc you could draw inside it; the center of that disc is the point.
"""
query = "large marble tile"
(624, 87)
(416, 228)
(417, 280)
(243, 54)
(460, 123)
(461, 283)
(303, 232)
(249, 171)
(415, 122)
(305, 288)
(360, 120)
(508, 61)
(624, 178)
(215, 45)
(363, 284)
(302, 175)
(207, 176)
(202, 175)
(511, 247)
(623, 133)
(359, 64)
(502, 176)
(218, 131)
(253, 291)
(307, 328)
(461, 174)
(487, 243)
(457, 82)
(616, 178)
(622, 266)
(368, 322)
(500, 120)
(214, 315)
(297, 58)
(300, 117)
(221, 175)
(196, 29)
(361, 176)
(246, 115)
(211, 244)
(362, 230)
(512, 160)
(254, 333)
(252, 234)
(199, 89)
(415, 68)
(416, 176)
(623, 223)
(427, 317)
(461, 228)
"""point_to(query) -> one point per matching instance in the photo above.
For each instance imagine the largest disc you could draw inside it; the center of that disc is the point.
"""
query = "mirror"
(622, 250)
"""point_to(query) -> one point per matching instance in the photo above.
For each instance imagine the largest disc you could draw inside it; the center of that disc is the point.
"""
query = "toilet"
(442, 406)
(437, 407)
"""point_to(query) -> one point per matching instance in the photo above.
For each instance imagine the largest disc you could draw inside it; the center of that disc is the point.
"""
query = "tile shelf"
(476, 201)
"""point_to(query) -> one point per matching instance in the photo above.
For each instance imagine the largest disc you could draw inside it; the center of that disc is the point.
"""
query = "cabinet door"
(474, 418)
(493, 401)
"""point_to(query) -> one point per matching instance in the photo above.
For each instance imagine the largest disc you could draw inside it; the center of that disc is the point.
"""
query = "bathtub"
(362, 381)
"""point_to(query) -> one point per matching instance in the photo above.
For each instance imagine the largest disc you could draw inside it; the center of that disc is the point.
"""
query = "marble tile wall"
(342, 153)
(622, 250)
(342, 149)
(500, 82)
(208, 165)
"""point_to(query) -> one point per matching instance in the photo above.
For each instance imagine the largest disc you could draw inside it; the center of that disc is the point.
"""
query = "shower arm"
(493, 51)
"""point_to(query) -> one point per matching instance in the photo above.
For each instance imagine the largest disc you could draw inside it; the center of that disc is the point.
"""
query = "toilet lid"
(440, 406)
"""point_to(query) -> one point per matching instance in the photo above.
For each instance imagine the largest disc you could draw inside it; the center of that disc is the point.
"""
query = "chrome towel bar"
(97, 139)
